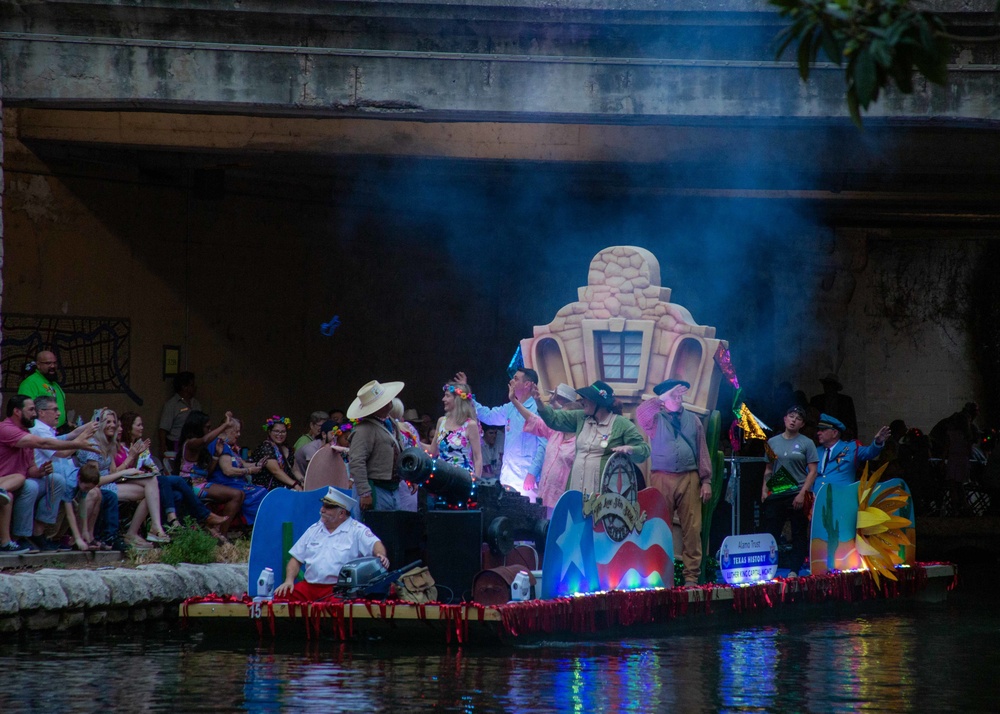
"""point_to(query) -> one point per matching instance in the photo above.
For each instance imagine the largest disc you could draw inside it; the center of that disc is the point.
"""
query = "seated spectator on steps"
(21, 480)
(58, 486)
(127, 482)
(327, 436)
(197, 462)
(82, 509)
(316, 420)
(231, 472)
(275, 456)
(325, 547)
(174, 490)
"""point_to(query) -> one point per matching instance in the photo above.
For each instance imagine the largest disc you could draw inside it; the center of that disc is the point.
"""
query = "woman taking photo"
(197, 463)
(174, 490)
(128, 482)
(457, 438)
(231, 472)
(275, 457)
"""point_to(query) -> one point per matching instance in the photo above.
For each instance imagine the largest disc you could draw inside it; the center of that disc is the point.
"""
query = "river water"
(930, 658)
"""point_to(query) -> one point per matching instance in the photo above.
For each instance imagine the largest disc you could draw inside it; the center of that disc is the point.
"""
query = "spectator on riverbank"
(176, 411)
(127, 482)
(21, 480)
(61, 484)
(43, 380)
(230, 471)
(83, 509)
(275, 457)
(175, 491)
(952, 438)
(316, 420)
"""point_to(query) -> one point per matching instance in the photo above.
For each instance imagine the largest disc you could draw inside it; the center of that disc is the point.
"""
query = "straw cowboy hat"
(372, 397)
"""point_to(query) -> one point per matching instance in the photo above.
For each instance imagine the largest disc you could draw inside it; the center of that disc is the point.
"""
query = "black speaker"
(401, 532)
(454, 542)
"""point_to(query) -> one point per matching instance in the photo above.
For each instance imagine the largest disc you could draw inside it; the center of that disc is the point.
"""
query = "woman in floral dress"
(276, 458)
(457, 439)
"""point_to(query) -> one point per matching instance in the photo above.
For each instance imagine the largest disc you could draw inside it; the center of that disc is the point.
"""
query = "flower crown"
(458, 391)
(275, 420)
(344, 428)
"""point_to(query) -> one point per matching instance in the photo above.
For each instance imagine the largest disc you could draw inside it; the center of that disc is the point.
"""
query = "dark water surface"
(922, 659)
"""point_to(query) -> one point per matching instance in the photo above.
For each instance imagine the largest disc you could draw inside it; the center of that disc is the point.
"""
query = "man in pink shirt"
(17, 463)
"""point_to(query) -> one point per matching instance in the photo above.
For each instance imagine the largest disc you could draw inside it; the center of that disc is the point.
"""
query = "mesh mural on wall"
(93, 352)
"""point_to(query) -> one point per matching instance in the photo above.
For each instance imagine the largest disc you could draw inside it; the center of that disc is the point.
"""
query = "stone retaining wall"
(66, 599)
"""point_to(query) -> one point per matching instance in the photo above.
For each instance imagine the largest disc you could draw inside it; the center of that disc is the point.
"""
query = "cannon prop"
(507, 515)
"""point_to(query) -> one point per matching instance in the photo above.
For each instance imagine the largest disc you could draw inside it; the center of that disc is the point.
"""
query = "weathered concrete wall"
(66, 599)
(890, 314)
(599, 61)
(909, 324)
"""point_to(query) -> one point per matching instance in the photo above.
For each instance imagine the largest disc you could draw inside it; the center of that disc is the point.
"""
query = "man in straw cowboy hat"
(375, 447)
(324, 548)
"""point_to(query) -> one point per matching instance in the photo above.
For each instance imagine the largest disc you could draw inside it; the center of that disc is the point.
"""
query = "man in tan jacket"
(375, 447)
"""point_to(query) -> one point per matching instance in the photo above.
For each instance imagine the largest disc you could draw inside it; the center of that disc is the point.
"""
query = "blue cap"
(828, 422)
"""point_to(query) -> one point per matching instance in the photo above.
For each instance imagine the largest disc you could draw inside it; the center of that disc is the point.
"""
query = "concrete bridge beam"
(641, 62)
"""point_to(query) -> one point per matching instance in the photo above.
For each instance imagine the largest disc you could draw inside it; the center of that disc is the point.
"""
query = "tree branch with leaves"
(878, 43)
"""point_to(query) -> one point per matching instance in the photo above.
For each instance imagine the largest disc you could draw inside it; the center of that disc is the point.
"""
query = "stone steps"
(58, 599)
(70, 559)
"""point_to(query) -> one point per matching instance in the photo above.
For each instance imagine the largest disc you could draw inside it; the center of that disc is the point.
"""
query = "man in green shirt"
(44, 381)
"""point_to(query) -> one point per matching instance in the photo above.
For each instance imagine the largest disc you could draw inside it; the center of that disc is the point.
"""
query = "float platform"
(604, 615)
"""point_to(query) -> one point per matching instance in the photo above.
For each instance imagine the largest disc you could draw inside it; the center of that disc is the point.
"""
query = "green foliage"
(881, 41)
(190, 544)
(709, 568)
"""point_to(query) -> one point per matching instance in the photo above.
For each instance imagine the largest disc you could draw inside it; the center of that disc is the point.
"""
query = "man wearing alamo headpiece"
(375, 447)
(680, 468)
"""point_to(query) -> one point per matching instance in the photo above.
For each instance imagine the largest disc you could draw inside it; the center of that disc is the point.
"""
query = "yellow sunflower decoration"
(880, 532)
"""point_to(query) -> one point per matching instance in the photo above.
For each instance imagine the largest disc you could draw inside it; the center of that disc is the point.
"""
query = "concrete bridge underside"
(688, 89)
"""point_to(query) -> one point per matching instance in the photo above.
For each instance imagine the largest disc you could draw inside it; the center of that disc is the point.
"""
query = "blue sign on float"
(748, 558)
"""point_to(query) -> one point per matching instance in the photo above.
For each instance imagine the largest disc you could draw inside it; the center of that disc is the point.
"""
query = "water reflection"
(917, 661)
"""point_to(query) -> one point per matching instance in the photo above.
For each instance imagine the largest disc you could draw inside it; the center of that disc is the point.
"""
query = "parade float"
(603, 564)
